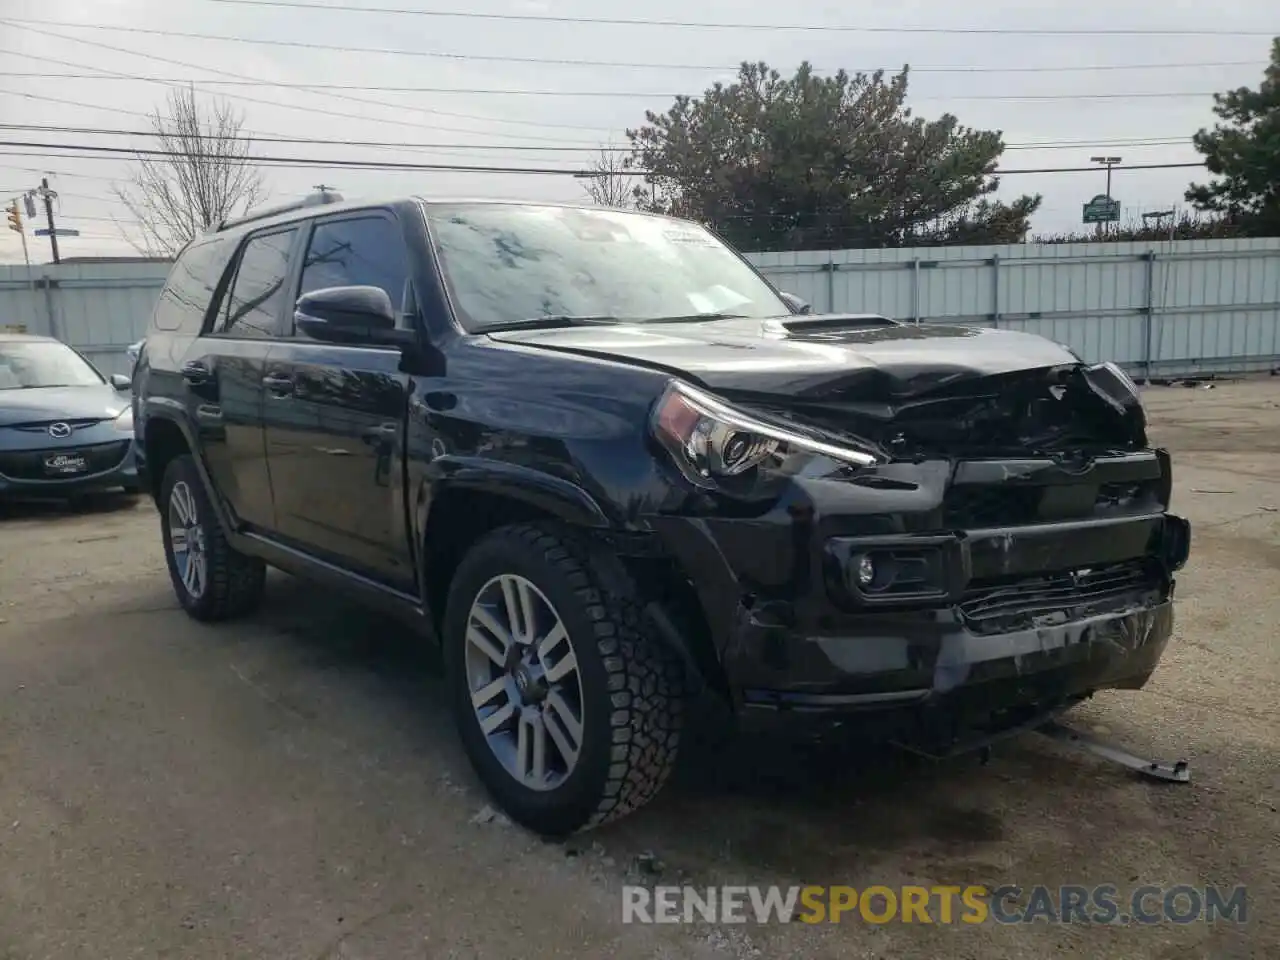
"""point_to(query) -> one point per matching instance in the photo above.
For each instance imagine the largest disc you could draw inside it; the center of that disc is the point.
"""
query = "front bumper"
(111, 464)
(991, 620)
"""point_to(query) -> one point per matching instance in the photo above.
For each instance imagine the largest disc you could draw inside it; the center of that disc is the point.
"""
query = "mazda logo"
(59, 430)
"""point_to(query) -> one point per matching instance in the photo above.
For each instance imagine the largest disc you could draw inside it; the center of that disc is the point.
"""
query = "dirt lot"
(290, 787)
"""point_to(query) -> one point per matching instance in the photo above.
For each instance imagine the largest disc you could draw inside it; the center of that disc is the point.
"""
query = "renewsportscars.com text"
(1101, 904)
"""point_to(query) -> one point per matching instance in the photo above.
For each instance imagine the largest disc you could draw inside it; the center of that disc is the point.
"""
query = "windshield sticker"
(599, 229)
(688, 236)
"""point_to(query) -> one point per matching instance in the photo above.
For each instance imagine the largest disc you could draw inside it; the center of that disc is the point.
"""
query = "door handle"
(196, 372)
(278, 384)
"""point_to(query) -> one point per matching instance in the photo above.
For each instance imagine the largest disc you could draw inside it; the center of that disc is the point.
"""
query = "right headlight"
(717, 446)
(124, 422)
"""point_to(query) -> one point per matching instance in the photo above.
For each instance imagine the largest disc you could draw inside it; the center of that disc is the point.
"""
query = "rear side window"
(358, 251)
(191, 284)
(258, 290)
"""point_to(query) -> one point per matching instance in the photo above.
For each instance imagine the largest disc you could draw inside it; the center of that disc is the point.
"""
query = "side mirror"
(356, 315)
(796, 304)
(121, 382)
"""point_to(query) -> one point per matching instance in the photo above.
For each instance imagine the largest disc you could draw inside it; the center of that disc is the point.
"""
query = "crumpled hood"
(41, 404)
(809, 356)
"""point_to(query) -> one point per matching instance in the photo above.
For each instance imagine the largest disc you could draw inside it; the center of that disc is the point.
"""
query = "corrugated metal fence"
(1195, 306)
(98, 308)
(1198, 306)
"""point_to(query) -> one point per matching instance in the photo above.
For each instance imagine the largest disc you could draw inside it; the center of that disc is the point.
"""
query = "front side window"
(259, 286)
(31, 364)
(357, 252)
(507, 263)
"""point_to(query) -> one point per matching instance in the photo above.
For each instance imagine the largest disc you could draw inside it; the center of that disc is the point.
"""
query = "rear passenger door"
(224, 371)
(335, 413)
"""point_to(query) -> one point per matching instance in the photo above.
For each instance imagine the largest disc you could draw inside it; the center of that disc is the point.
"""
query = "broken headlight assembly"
(720, 447)
(1115, 386)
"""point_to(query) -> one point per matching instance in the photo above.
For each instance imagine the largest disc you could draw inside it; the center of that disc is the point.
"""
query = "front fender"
(546, 492)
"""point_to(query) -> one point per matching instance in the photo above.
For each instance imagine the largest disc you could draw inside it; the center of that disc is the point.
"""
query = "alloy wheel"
(186, 540)
(523, 678)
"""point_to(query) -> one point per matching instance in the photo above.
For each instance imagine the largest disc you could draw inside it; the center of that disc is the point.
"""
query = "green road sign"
(1102, 209)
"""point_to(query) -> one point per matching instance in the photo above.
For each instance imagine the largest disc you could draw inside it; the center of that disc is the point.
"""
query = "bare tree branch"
(206, 178)
(610, 185)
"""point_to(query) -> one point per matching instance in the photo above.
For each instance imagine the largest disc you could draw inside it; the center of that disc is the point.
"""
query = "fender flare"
(155, 409)
(555, 495)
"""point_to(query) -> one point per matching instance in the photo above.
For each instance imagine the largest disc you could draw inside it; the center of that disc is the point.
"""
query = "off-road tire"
(235, 581)
(631, 683)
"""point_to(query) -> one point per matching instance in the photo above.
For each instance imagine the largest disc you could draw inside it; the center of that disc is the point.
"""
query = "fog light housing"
(866, 570)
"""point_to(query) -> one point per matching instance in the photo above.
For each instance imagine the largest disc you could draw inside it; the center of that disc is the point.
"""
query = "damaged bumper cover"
(941, 597)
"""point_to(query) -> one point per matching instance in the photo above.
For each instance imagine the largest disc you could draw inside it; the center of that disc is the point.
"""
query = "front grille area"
(991, 506)
(29, 464)
(998, 607)
(1011, 505)
(42, 426)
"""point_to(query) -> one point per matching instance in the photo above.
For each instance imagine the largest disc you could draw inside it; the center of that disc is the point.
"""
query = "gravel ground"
(290, 787)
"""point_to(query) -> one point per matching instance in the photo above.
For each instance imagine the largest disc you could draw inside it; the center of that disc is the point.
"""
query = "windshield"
(43, 363)
(508, 263)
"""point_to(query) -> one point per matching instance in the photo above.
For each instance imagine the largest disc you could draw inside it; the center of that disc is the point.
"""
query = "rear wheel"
(211, 579)
(569, 713)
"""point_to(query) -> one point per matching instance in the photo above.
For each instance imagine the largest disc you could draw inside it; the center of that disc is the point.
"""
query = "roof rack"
(321, 197)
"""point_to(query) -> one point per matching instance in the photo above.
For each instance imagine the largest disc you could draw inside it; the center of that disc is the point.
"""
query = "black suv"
(613, 471)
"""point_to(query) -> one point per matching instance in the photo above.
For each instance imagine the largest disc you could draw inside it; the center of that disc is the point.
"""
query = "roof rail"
(319, 198)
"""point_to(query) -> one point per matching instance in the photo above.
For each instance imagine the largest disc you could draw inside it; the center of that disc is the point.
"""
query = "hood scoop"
(806, 326)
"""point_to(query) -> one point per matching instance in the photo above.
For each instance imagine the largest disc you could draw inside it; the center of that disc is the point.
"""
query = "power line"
(1140, 95)
(338, 48)
(1085, 68)
(99, 152)
(51, 173)
(524, 92)
(106, 152)
(498, 147)
(387, 51)
(258, 138)
(840, 28)
(399, 108)
(74, 103)
(251, 134)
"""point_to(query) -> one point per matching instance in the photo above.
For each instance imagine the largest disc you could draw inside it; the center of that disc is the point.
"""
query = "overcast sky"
(695, 57)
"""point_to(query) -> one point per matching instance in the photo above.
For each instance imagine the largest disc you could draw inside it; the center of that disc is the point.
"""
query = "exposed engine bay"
(1072, 409)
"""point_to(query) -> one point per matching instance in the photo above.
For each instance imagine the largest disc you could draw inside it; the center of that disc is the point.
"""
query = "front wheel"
(212, 580)
(569, 713)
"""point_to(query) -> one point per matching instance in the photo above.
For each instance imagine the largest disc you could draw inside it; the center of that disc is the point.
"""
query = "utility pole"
(1107, 162)
(48, 195)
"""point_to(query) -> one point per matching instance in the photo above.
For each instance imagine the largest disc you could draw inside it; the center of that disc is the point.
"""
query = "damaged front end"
(955, 552)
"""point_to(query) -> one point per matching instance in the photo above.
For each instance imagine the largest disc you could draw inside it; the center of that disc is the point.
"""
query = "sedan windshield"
(26, 364)
(509, 264)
